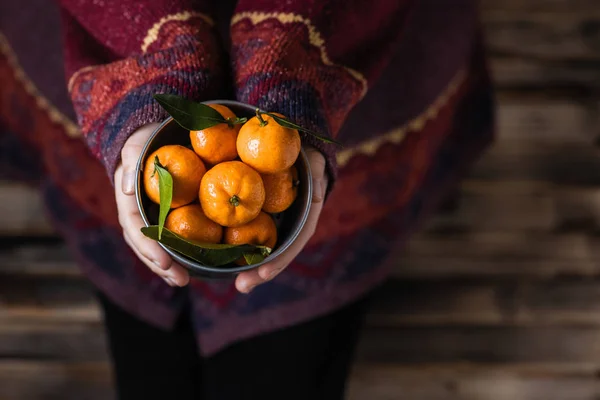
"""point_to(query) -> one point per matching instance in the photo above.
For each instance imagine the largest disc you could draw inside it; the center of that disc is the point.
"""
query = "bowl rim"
(187, 262)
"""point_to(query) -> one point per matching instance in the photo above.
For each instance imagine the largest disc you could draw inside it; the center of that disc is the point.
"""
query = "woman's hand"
(130, 219)
(246, 281)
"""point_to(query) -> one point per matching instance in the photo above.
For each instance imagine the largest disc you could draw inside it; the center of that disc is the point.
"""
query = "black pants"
(310, 361)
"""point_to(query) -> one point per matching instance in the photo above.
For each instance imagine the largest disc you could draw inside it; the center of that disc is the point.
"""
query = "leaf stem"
(260, 119)
(156, 165)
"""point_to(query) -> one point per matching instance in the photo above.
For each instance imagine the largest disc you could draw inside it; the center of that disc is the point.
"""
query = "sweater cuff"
(113, 100)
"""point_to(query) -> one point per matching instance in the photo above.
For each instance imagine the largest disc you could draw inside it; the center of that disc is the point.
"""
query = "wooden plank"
(58, 340)
(577, 209)
(49, 292)
(54, 380)
(502, 345)
(560, 163)
(527, 6)
(557, 302)
(22, 212)
(470, 382)
(540, 116)
(519, 72)
(46, 300)
(450, 248)
(497, 206)
(493, 255)
(36, 257)
(507, 247)
(567, 35)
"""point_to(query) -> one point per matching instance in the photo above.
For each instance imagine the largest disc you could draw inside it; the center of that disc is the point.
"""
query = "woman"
(401, 83)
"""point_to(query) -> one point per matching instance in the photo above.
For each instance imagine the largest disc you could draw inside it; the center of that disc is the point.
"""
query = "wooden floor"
(496, 299)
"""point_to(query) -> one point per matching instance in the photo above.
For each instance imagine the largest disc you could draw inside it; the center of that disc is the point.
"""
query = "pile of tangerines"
(227, 187)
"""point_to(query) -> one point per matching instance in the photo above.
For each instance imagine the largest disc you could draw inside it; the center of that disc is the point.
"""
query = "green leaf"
(190, 115)
(253, 258)
(209, 254)
(165, 190)
(258, 255)
(287, 124)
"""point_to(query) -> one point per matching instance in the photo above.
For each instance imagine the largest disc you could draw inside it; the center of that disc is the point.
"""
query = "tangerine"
(186, 168)
(281, 189)
(217, 143)
(191, 223)
(261, 231)
(267, 146)
(232, 193)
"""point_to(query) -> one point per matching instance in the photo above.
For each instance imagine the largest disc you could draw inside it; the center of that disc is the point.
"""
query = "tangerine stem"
(156, 164)
(234, 200)
(230, 122)
(260, 118)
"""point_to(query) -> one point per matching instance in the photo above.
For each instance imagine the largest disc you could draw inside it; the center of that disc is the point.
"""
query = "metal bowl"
(289, 223)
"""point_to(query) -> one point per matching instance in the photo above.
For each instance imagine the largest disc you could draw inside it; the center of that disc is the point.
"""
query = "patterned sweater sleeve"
(312, 60)
(118, 53)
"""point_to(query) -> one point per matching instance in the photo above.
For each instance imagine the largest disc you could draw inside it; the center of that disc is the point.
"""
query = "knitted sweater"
(402, 84)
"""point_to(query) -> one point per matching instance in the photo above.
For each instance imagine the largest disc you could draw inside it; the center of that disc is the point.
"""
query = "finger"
(146, 249)
(319, 177)
(248, 280)
(167, 276)
(130, 153)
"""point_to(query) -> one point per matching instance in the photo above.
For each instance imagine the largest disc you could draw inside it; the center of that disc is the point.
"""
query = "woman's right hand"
(130, 219)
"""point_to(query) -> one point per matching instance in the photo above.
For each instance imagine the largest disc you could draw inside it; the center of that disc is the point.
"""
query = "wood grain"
(567, 35)
(524, 7)
(494, 255)
(478, 302)
(480, 344)
(34, 257)
(510, 71)
(22, 211)
(457, 382)
(54, 380)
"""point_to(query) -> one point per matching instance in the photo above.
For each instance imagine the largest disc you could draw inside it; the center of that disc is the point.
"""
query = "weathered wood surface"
(495, 255)
(471, 382)
(54, 380)
(572, 34)
(518, 72)
(22, 212)
(480, 344)
(524, 7)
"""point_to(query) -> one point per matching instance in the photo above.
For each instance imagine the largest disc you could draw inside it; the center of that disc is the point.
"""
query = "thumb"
(130, 153)
(319, 177)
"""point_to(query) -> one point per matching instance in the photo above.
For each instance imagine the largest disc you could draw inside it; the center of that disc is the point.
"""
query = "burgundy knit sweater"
(401, 83)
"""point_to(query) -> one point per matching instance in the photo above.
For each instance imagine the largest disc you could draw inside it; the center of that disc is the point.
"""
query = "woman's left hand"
(246, 281)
